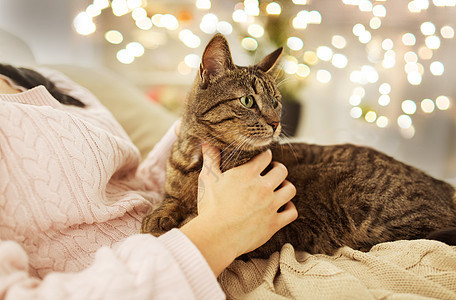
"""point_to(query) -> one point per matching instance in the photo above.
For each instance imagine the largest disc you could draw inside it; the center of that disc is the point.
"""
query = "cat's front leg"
(167, 216)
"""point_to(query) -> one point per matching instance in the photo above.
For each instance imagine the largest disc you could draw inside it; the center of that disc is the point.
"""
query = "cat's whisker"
(231, 150)
(241, 146)
(283, 81)
(287, 141)
(230, 145)
(209, 138)
(237, 150)
(277, 73)
(232, 153)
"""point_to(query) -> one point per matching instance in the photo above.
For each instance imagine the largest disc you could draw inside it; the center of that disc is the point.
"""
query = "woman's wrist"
(213, 241)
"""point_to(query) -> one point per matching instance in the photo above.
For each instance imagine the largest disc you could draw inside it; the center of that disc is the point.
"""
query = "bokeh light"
(323, 76)
(384, 88)
(442, 102)
(387, 57)
(437, 68)
(114, 37)
(427, 106)
(249, 43)
(409, 39)
(382, 121)
(356, 112)
(324, 53)
(404, 121)
(447, 32)
(408, 107)
(338, 41)
(370, 116)
(427, 28)
(295, 43)
(274, 8)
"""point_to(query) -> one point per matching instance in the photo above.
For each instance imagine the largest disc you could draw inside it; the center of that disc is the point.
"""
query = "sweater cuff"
(193, 265)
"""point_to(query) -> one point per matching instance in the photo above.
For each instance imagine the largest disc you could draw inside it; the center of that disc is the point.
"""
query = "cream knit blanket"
(419, 269)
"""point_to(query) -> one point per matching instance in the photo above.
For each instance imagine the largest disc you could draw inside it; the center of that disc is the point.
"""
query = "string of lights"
(383, 53)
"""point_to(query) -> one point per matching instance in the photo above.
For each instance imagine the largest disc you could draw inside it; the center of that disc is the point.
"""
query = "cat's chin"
(259, 144)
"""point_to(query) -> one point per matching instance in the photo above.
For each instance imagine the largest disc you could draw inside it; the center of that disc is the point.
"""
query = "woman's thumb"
(211, 160)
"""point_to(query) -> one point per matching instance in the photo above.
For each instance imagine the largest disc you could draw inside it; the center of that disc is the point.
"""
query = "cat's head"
(233, 106)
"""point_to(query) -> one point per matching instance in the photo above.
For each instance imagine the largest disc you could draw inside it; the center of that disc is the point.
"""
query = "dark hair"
(30, 79)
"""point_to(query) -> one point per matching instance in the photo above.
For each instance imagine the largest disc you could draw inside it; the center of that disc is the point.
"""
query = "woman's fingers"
(285, 193)
(283, 197)
(274, 180)
(288, 215)
(177, 128)
(258, 163)
(276, 175)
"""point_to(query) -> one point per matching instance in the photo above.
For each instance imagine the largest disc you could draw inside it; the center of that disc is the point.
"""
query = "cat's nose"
(274, 125)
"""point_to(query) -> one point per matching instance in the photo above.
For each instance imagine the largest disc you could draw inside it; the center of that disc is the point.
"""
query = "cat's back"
(363, 165)
(357, 196)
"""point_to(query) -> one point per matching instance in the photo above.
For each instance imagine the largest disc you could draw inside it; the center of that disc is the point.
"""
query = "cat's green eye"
(247, 101)
(275, 102)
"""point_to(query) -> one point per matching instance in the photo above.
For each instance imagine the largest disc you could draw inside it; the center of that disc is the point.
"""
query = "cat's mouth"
(263, 140)
(249, 140)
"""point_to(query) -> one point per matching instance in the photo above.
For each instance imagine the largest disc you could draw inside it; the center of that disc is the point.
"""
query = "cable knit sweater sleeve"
(72, 197)
(143, 267)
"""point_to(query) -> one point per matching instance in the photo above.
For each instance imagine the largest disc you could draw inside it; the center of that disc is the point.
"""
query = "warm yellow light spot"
(356, 112)
(443, 102)
(256, 30)
(338, 41)
(404, 121)
(409, 39)
(408, 107)
(323, 76)
(427, 106)
(437, 68)
(382, 121)
(310, 58)
(384, 100)
(447, 32)
(303, 70)
(370, 116)
(249, 43)
(114, 37)
(273, 8)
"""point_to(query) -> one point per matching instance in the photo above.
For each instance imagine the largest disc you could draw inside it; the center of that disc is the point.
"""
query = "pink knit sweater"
(72, 196)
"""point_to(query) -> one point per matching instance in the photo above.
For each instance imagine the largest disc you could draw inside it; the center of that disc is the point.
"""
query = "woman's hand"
(237, 209)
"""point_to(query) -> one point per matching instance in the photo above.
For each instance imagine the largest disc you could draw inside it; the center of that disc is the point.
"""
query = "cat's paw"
(166, 223)
(158, 225)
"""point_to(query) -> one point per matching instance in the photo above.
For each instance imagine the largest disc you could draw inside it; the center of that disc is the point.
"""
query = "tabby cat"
(346, 194)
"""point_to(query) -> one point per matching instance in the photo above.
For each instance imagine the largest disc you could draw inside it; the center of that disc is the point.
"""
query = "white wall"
(46, 26)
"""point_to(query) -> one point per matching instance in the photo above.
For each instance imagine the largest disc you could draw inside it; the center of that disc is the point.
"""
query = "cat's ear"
(269, 61)
(216, 57)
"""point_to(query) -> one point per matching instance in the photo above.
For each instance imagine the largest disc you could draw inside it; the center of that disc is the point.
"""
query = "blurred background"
(378, 73)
